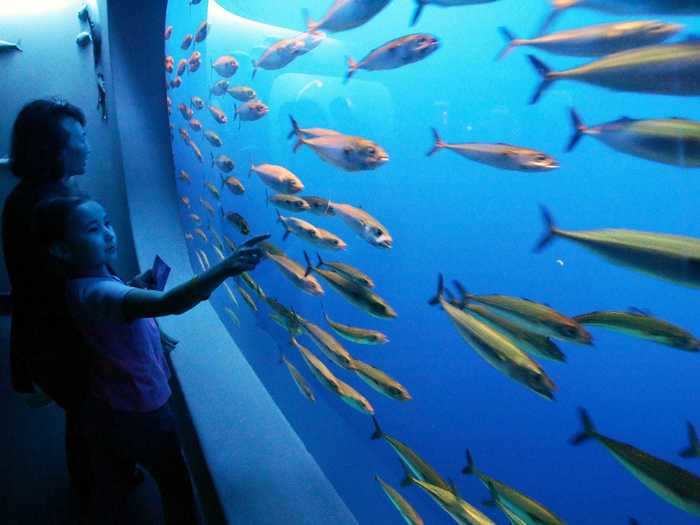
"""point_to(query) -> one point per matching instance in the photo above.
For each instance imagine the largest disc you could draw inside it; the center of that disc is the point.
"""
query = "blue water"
(471, 222)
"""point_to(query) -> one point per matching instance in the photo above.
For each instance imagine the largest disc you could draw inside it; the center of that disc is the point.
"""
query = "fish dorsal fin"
(638, 311)
(625, 118)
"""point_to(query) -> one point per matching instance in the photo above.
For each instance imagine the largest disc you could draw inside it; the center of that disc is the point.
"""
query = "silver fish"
(395, 53)
(346, 151)
(308, 133)
(251, 110)
(219, 88)
(278, 178)
(279, 54)
(345, 14)
(242, 93)
(366, 226)
(443, 3)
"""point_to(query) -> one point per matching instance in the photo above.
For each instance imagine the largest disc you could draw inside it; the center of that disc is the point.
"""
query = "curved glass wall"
(606, 152)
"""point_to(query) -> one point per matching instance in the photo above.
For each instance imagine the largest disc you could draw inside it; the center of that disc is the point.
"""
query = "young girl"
(127, 416)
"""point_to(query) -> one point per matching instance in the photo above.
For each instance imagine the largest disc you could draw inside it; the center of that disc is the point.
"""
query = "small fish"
(364, 225)
(665, 69)
(195, 218)
(597, 40)
(346, 271)
(230, 244)
(671, 483)
(195, 125)
(219, 88)
(301, 228)
(279, 54)
(194, 61)
(672, 257)
(327, 344)
(237, 220)
(299, 380)
(693, 450)
(196, 151)
(226, 66)
(189, 236)
(202, 32)
(220, 253)
(217, 238)
(213, 138)
(185, 176)
(233, 316)
(176, 82)
(234, 185)
(185, 136)
(673, 141)
(186, 42)
(395, 53)
(168, 32)
(251, 110)
(185, 111)
(502, 156)
(296, 274)
(443, 3)
(308, 133)
(230, 293)
(276, 177)
(285, 318)
(268, 247)
(460, 511)
(407, 512)
(252, 285)
(247, 298)
(216, 192)
(205, 259)
(381, 382)
(169, 64)
(185, 201)
(197, 102)
(345, 14)
(202, 265)
(223, 162)
(242, 93)
(643, 326)
(218, 114)
(361, 336)
(319, 205)
(289, 202)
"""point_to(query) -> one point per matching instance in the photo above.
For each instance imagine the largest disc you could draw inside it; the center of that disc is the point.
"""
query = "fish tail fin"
(309, 264)
(420, 4)
(588, 431)
(579, 129)
(545, 72)
(693, 449)
(320, 261)
(549, 20)
(298, 144)
(235, 111)
(438, 144)
(377, 429)
(255, 69)
(510, 39)
(18, 45)
(308, 21)
(212, 159)
(550, 230)
(295, 128)
(352, 67)
(441, 289)
(267, 198)
(409, 478)
(463, 294)
(470, 468)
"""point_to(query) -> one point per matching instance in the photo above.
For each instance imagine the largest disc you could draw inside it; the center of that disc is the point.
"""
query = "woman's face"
(90, 239)
(76, 150)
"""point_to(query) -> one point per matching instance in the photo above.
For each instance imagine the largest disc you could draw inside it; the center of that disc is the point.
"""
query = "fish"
(251, 110)
(237, 220)
(195, 124)
(219, 252)
(347, 152)
(230, 293)
(284, 317)
(289, 202)
(296, 274)
(318, 205)
(186, 201)
(361, 336)
(189, 236)
(597, 40)
(442, 3)
(460, 511)
(252, 285)
(364, 225)
(230, 244)
(185, 136)
(176, 82)
(202, 265)
(268, 247)
(299, 380)
(195, 218)
(218, 245)
(407, 512)
(183, 175)
(530, 511)
(194, 62)
(308, 133)
(218, 114)
(415, 466)
(665, 69)
(279, 54)
(202, 32)
(673, 141)
(310, 40)
(499, 351)
(205, 259)
(395, 53)
(357, 294)
(216, 192)
(233, 316)
(346, 271)
(226, 66)
(345, 14)
(186, 42)
(530, 315)
(327, 344)
(234, 185)
(671, 483)
(247, 298)
(169, 64)
(276, 177)
(185, 111)
(348, 394)
(533, 343)
(223, 162)
(643, 326)
(242, 93)
(381, 382)
(624, 7)
(168, 32)
(675, 258)
(196, 151)
(213, 138)
(328, 240)
(219, 88)
(500, 155)
(693, 449)
(197, 102)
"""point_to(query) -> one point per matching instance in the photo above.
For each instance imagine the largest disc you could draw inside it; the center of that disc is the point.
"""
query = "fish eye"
(371, 151)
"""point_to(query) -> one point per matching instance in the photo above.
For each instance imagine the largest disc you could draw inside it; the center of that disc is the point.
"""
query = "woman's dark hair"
(50, 218)
(38, 138)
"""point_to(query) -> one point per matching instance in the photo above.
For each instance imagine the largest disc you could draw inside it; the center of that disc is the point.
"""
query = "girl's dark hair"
(38, 138)
(50, 218)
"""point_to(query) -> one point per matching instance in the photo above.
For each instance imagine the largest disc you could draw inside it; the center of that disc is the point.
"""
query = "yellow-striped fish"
(299, 380)
(361, 336)
(380, 381)
(407, 512)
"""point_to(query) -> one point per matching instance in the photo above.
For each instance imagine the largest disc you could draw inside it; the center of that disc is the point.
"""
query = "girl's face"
(76, 150)
(90, 241)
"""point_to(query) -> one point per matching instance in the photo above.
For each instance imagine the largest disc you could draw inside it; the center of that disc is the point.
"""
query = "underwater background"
(466, 220)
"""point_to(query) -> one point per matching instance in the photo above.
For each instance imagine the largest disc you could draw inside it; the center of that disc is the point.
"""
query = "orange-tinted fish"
(237, 220)
(186, 201)
(226, 66)
(185, 176)
(194, 61)
(197, 102)
(186, 42)
(168, 32)
(181, 66)
(185, 135)
(218, 114)
(195, 124)
(169, 64)
(202, 32)
(251, 110)
(184, 111)
(196, 151)
(219, 88)
(176, 82)
(213, 138)
(234, 185)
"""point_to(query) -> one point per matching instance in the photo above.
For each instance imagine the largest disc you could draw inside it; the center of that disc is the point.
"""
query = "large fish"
(415, 466)
(407, 512)
(299, 380)
(251, 110)
(671, 483)
(597, 40)
(327, 344)
(458, 509)
(496, 349)
(624, 7)
(296, 274)
(381, 382)
(502, 156)
(443, 3)
(276, 177)
(279, 54)
(345, 270)
(395, 53)
(308, 133)
(644, 326)
(665, 69)
(672, 257)
(674, 141)
(531, 512)
(226, 66)
(345, 14)
(363, 336)
(299, 227)
(693, 450)
(364, 225)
